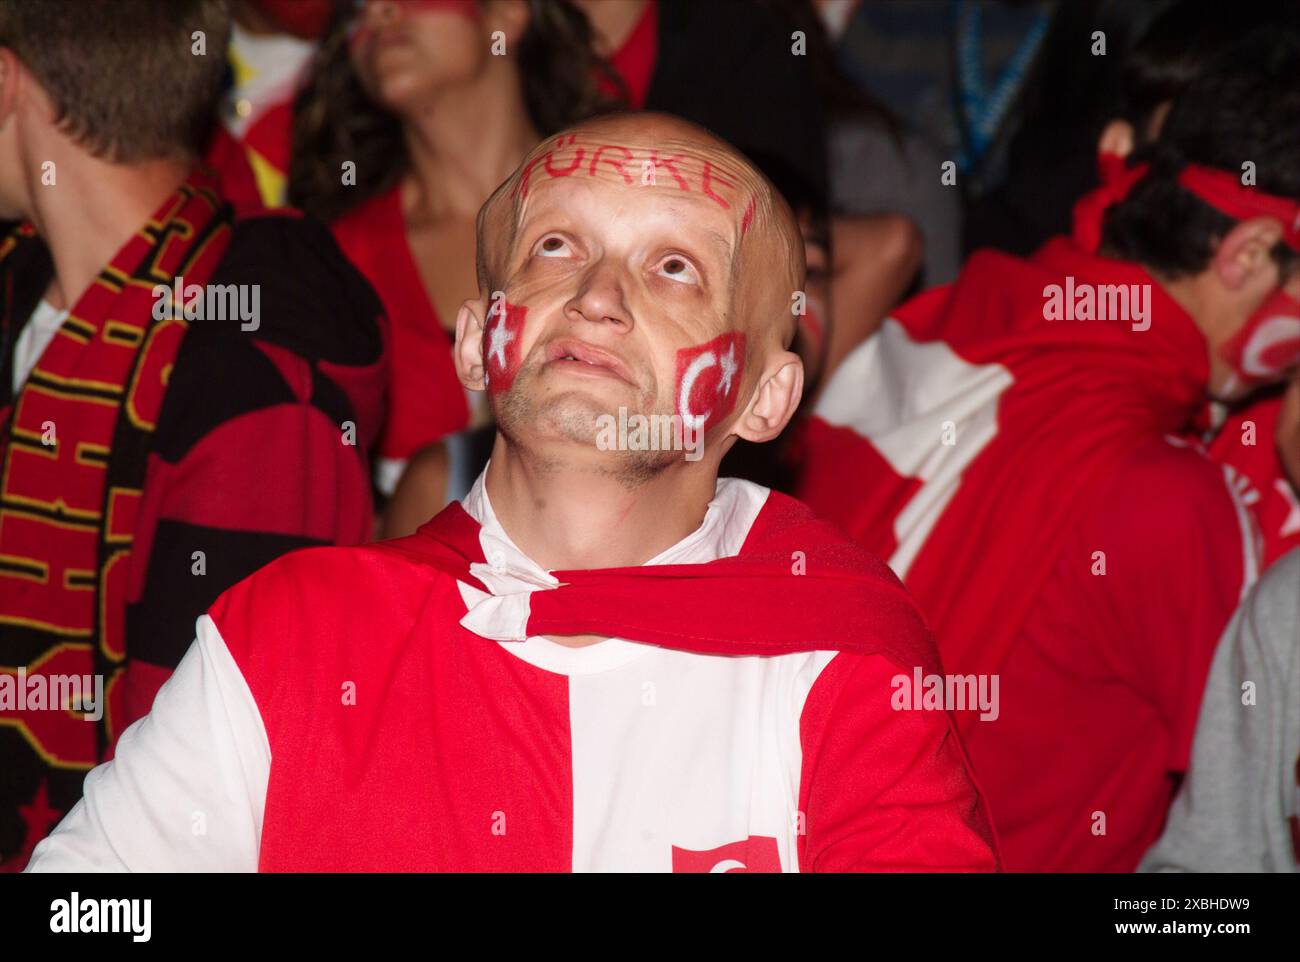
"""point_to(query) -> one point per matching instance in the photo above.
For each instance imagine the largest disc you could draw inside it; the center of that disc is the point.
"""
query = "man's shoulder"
(311, 299)
(314, 334)
(1273, 607)
(1168, 503)
(323, 591)
(787, 525)
(845, 590)
(1167, 477)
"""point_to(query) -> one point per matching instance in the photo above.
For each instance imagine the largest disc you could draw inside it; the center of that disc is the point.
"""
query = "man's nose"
(601, 299)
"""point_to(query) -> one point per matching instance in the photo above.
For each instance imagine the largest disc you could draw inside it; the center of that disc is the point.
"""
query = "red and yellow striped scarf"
(75, 447)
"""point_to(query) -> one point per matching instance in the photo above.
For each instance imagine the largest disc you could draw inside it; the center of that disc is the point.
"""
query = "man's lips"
(586, 359)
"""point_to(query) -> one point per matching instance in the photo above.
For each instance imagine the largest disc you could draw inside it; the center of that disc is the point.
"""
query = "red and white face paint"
(501, 334)
(1268, 344)
(708, 380)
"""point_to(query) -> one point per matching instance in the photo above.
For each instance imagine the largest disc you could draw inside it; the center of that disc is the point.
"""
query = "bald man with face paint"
(605, 658)
(635, 264)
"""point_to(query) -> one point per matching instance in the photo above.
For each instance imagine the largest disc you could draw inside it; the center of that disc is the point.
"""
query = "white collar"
(511, 576)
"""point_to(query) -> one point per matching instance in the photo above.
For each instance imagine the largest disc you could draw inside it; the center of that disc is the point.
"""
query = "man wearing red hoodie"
(1015, 444)
(605, 658)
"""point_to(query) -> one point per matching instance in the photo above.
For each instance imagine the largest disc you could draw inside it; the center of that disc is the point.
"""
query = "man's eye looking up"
(678, 269)
(552, 247)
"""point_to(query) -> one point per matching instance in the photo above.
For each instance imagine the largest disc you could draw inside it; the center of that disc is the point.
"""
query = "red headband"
(1227, 194)
(1220, 189)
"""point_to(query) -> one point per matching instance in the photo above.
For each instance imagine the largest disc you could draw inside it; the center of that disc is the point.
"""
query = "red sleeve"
(885, 790)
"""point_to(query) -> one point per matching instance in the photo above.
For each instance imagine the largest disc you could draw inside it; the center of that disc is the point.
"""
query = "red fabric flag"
(797, 585)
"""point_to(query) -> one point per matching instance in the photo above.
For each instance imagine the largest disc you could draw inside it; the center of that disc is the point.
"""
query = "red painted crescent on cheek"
(708, 379)
(1268, 344)
(501, 346)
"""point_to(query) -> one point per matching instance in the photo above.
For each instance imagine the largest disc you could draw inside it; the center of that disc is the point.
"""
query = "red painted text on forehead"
(679, 168)
(501, 334)
(708, 379)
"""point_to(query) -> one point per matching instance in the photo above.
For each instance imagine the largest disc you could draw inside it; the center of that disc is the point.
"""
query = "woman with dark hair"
(415, 110)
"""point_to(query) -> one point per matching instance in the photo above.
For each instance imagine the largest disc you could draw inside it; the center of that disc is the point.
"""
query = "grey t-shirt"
(871, 173)
(1235, 811)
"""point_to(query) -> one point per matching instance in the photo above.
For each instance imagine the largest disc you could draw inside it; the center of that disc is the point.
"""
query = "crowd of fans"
(1100, 510)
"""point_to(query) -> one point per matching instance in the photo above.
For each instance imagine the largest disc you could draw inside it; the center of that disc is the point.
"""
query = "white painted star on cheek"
(498, 338)
(728, 370)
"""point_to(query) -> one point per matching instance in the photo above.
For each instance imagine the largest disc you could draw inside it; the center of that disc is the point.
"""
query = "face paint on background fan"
(708, 380)
(501, 335)
(1268, 344)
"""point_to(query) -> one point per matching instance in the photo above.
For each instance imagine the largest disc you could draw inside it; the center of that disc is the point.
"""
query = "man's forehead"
(695, 171)
(653, 208)
(704, 181)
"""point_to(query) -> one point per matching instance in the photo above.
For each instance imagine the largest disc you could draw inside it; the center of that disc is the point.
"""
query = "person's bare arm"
(421, 493)
(876, 256)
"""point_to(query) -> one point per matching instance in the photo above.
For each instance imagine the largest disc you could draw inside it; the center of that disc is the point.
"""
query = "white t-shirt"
(35, 337)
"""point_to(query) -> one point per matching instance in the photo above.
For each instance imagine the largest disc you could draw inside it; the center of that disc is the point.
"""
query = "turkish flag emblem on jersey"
(758, 853)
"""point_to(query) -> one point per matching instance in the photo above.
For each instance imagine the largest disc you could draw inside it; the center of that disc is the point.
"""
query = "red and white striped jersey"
(354, 709)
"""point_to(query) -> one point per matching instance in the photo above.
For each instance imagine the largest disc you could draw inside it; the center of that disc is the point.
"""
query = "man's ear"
(1116, 138)
(774, 402)
(468, 351)
(1242, 260)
